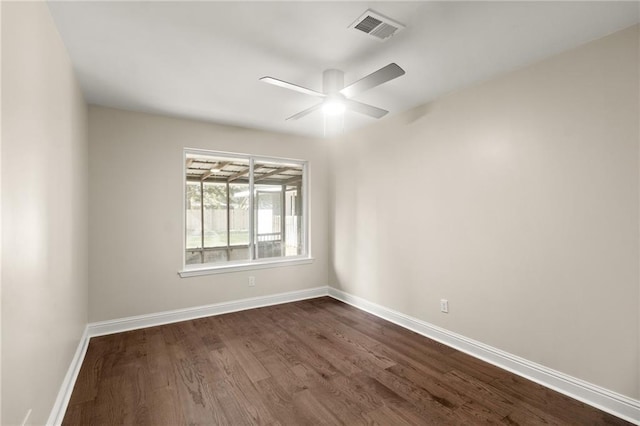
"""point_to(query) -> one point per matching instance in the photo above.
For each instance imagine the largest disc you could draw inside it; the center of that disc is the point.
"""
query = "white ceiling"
(203, 59)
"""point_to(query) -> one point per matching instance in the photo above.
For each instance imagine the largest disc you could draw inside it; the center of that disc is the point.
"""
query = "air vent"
(377, 26)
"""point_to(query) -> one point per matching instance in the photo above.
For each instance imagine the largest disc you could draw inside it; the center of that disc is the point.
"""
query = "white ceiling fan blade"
(291, 86)
(304, 112)
(374, 79)
(365, 109)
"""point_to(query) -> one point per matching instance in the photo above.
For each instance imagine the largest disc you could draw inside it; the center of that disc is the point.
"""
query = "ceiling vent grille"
(377, 26)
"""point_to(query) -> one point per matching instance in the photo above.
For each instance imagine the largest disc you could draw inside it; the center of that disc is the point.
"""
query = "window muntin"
(241, 209)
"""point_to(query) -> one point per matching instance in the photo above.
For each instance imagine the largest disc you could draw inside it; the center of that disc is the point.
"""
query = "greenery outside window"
(243, 209)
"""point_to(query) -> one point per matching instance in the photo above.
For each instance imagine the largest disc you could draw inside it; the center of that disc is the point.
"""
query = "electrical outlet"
(252, 281)
(444, 306)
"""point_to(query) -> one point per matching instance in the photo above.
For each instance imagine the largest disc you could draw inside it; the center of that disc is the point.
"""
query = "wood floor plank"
(247, 360)
(393, 415)
(437, 389)
(357, 344)
(476, 368)
(163, 408)
(241, 401)
(479, 394)
(329, 350)
(312, 362)
(282, 374)
(291, 346)
(526, 415)
(559, 406)
(311, 411)
(191, 374)
(279, 401)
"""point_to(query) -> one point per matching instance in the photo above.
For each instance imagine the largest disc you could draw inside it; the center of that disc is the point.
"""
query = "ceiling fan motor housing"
(332, 81)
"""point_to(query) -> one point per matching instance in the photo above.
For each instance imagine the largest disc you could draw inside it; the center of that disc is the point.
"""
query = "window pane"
(293, 221)
(239, 214)
(194, 225)
(277, 211)
(217, 211)
(215, 214)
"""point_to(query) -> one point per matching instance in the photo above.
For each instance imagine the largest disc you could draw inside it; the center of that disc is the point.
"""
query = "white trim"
(64, 394)
(232, 154)
(306, 208)
(184, 207)
(225, 268)
(151, 320)
(596, 396)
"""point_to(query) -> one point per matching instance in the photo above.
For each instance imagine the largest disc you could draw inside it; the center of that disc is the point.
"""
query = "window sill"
(239, 267)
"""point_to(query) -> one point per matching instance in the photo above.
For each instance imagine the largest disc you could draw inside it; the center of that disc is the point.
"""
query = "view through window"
(241, 209)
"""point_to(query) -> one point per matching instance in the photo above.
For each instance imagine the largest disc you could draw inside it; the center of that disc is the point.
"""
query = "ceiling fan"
(336, 97)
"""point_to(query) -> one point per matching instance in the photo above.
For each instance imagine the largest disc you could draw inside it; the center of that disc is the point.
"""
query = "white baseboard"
(150, 320)
(64, 394)
(596, 396)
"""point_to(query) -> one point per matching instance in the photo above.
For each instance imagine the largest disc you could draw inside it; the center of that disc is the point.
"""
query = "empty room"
(320, 212)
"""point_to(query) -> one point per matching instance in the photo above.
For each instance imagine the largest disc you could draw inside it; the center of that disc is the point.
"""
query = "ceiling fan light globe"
(333, 107)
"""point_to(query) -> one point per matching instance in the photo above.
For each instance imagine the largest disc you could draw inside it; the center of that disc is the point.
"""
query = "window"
(243, 210)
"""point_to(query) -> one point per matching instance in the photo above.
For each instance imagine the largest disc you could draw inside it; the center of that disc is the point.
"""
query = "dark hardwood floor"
(311, 362)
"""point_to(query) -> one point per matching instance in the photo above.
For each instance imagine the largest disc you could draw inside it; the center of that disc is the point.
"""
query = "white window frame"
(251, 263)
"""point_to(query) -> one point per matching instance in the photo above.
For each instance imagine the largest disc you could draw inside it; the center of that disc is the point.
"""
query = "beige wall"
(136, 167)
(517, 200)
(44, 212)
